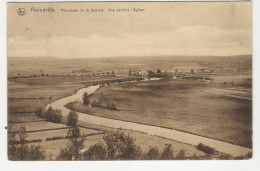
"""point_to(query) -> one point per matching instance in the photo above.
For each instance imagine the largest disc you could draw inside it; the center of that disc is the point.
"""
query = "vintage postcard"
(129, 81)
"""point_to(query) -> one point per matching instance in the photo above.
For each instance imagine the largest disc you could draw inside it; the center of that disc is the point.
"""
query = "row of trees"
(86, 101)
(51, 115)
(55, 115)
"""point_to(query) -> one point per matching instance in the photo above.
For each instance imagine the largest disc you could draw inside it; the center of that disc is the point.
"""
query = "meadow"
(184, 105)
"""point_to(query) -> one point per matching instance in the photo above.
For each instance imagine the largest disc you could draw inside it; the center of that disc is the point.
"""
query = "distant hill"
(54, 65)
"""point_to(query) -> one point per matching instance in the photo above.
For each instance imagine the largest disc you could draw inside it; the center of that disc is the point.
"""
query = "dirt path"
(180, 136)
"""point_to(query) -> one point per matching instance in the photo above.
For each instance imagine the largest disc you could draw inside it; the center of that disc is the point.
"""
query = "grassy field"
(180, 104)
(26, 95)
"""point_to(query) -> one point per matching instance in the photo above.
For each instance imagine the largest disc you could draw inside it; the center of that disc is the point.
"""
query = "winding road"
(180, 136)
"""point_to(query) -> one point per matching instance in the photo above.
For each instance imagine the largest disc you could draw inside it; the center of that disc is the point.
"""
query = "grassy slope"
(178, 104)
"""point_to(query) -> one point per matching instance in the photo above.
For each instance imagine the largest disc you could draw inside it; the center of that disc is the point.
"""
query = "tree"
(49, 114)
(167, 153)
(86, 99)
(22, 134)
(56, 117)
(40, 112)
(53, 115)
(96, 152)
(76, 144)
(130, 72)
(72, 118)
(121, 147)
(153, 154)
(22, 151)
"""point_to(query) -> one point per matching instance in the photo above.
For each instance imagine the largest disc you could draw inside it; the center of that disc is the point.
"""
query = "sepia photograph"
(109, 81)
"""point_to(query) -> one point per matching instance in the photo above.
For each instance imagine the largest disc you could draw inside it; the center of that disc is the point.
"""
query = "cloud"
(197, 40)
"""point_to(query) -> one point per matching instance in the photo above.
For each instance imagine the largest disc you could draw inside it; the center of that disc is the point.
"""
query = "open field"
(26, 95)
(180, 104)
(35, 126)
(42, 130)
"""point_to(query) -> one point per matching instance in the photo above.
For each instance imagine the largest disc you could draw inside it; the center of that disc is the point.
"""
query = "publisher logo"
(21, 11)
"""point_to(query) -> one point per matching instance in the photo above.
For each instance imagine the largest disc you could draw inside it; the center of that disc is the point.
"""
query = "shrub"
(98, 104)
(36, 153)
(94, 104)
(22, 134)
(181, 155)
(54, 138)
(195, 157)
(40, 112)
(153, 154)
(247, 156)
(113, 107)
(108, 106)
(205, 149)
(65, 154)
(96, 152)
(167, 153)
(72, 118)
(86, 99)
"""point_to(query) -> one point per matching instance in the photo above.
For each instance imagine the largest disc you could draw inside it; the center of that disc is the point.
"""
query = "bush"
(94, 104)
(22, 134)
(65, 154)
(72, 118)
(205, 149)
(242, 157)
(26, 141)
(153, 154)
(181, 155)
(96, 152)
(54, 138)
(167, 153)
(113, 107)
(86, 99)
(40, 112)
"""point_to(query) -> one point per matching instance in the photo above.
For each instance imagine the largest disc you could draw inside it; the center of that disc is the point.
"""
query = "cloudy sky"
(178, 28)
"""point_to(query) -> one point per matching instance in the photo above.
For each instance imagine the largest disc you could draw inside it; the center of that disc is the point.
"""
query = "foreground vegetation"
(114, 146)
(19, 150)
